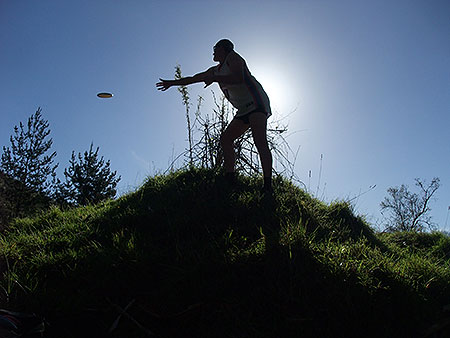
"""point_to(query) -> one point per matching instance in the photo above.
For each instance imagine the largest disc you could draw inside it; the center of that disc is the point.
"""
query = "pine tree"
(89, 180)
(28, 160)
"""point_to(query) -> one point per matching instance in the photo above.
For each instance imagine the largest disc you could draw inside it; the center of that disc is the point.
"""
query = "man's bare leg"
(258, 125)
(235, 129)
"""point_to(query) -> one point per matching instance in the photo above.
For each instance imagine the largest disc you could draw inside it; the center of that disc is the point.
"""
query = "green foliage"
(193, 258)
(27, 160)
(89, 179)
(27, 172)
(16, 200)
(28, 181)
(434, 244)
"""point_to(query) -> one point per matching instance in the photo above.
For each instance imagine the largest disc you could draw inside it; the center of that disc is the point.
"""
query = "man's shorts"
(246, 118)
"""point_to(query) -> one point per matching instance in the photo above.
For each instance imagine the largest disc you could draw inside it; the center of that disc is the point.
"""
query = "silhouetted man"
(247, 95)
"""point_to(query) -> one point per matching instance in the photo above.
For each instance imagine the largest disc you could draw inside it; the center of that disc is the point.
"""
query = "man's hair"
(226, 44)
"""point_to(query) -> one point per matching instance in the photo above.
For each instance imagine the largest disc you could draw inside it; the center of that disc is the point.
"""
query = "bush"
(16, 200)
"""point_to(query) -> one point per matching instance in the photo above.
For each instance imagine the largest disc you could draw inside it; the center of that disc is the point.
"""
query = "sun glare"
(276, 87)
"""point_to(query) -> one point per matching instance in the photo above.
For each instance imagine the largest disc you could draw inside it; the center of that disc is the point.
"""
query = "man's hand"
(164, 84)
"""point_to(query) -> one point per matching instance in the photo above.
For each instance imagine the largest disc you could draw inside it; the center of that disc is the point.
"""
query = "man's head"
(221, 49)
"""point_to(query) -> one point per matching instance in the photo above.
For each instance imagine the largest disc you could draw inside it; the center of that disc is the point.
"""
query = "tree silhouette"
(410, 211)
(27, 171)
(89, 179)
(27, 160)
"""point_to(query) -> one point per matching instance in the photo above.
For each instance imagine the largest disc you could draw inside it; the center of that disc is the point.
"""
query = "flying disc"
(105, 95)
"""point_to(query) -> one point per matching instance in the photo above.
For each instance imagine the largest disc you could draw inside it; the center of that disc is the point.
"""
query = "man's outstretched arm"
(184, 81)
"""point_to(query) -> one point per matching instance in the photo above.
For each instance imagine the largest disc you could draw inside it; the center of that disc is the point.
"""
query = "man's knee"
(225, 139)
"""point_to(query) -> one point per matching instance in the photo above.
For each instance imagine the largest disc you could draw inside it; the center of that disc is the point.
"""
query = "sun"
(275, 85)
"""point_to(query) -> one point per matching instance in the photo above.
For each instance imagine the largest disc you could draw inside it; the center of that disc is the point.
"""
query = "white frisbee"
(105, 95)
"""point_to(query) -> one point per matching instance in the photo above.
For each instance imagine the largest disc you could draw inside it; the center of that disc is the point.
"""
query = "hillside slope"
(187, 256)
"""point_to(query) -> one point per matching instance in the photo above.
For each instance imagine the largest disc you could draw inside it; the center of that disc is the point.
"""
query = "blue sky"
(365, 83)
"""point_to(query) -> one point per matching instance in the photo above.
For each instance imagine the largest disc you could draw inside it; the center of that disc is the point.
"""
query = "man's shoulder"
(234, 56)
(234, 59)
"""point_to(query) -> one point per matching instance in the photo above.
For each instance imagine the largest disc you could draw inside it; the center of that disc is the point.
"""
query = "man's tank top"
(247, 96)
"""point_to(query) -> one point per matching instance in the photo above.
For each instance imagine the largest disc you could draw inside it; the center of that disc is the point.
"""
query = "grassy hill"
(186, 256)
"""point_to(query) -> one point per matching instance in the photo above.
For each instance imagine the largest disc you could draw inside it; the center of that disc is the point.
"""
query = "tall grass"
(190, 257)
